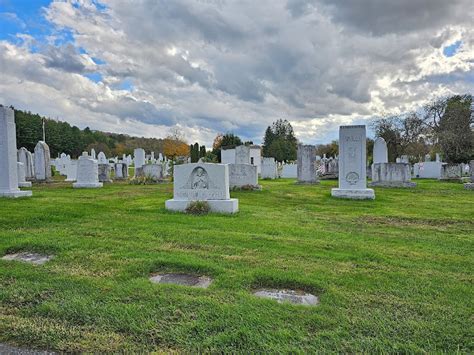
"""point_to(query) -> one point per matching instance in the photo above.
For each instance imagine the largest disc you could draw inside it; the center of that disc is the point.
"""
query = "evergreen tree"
(280, 141)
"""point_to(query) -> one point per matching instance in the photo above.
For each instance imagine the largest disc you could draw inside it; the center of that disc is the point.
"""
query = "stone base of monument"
(15, 194)
(355, 194)
(219, 206)
(404, 184)
(317, 182)
(24, 184)
(94, 185)
(329, 177)
(469, 186)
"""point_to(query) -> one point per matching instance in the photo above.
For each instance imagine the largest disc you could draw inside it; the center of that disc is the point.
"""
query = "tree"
(174, 148)
(454, 132)
(280, 141)
(202, 151)
(228, 140)
(331, 149)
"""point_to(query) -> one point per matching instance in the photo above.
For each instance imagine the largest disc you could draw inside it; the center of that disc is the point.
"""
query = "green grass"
(394, 274)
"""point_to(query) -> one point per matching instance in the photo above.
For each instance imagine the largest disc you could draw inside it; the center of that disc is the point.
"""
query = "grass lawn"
(394, 274)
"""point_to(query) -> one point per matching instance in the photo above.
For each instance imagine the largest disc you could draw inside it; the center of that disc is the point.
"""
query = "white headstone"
(242, 154)
(21, 176)
(42, 162)
(352, 164)
(243, 175)
(380, 151)
(306, 171)
(71, 171)
(102, 159)
(25, 157)
(269, 168)
(87, 173)
(202, 182)
(8, 156)
(139, 157)
(93, 156)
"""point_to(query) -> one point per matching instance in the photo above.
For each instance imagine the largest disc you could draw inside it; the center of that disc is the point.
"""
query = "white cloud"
(216, 66)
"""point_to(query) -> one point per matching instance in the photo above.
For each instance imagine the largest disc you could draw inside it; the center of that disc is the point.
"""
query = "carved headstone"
(104, 172)
(202, 182)
(269, 168)
(380, 151)
(101, 158)
(470, 185)
(21, 176)
(71, 171)
(87, 173)
(242, 154)
(306, 170)
(25, 157)
(352, 164)
(243, 175)
(42, 162)
(8, 156)
(139, 157)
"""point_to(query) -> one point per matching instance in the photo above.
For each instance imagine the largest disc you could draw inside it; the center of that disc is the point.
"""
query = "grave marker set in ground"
(306, 169)
(242, 173)
(202, 182)
(8, 156)
(352, 164)
(87, 173)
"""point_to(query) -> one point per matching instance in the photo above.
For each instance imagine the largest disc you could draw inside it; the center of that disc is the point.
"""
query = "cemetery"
(236, 177)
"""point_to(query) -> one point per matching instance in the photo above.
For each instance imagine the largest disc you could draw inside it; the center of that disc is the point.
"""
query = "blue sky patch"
(452, 49)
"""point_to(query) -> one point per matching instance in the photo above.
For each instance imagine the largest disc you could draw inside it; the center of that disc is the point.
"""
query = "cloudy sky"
(144, 67)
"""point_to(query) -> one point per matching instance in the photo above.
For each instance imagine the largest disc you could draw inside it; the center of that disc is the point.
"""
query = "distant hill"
(62, 137)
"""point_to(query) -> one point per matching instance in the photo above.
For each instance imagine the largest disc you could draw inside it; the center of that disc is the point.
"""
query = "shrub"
(198, 207)
(143, 180)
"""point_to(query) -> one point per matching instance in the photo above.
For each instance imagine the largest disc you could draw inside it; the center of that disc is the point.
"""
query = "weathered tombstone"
(451, 172)
(104, 172)
(121, 171)
(21, 176)
(307, 170)
(242, 154)
(87, 173)
(101, 158)
(269, 168)
(42, 162)
(139, 158)
(470, 185)
(380, 151)
(202, 182)
(352, 164)
(25, 157)
(93, 156)
(289, 171)
(243, 176)
(391, 175)
(71, 171)
(151, 171)
(8, 156)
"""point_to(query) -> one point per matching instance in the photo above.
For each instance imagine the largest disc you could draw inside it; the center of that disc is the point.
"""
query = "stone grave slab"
(26, 257)
(291, 296)
(182, 279)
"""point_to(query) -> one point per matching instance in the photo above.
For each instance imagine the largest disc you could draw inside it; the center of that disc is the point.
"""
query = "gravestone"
(42, 162)
(21, 176)
(139, 157)
(87, 173)
(307, 170)
(104, 172)
(243, 175)
(380, 151)
(25, 157)
(182, 279)
(93, 156)
(8, 156)
(470, 185)
(121, 171)
(152, 171)
(451, 172)
(26, 257)
(391, 175)
(102, 159)
(269, 168)
(290, 296)
(352, 164)
(289, 171)
(202, 182)
(71, 171)
(242, 154)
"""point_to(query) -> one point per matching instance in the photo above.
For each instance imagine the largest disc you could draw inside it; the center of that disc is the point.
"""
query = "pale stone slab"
(182, 279)
(71, 171)
(269, 168)
(352, 164)
(139, 157)
(121, 171)
(21, 176)
(104, 172)
(242, 154)
(289, 296)
(153, 171)
(25, 157)
(31, 258)
(241, 175)
(202, 182)
(289, 171)
(8, 156)
(87, 173)
(380, 151)
(42, 162)
(306, 172)
(391, 175)
(101, 158)
(451, 172)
